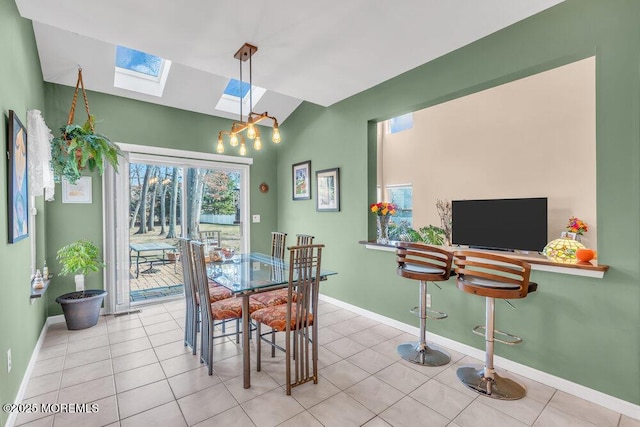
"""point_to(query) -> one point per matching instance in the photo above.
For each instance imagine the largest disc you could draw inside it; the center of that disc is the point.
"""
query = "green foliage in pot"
(80, 257)
(79, 147)
(430, 235)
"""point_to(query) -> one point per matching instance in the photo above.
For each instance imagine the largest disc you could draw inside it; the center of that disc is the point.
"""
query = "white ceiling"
(321, 52)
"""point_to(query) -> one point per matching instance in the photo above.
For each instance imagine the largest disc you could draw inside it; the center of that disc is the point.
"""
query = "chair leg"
(259, 346)
(484, 379)
(238, 331)
(273, 343)
(419, 352)
(288, 361)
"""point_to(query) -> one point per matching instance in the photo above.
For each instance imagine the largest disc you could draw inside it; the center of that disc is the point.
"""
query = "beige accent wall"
(534, 137)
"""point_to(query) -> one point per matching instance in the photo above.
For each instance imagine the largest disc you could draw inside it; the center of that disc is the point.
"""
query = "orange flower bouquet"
(578, 226)
(383, 211)
(383, 208)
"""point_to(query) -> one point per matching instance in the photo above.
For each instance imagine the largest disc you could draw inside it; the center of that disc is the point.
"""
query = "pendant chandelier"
(235, 135)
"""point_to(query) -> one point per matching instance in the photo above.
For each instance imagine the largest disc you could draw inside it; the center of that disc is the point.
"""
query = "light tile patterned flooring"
(139, 373)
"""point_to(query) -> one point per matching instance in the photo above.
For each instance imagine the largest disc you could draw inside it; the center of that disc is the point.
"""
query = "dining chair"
(216, 293)
(278, 244)
(222, 310)
(278, 296)
(304, 239)
(191, 313)
(297, 318)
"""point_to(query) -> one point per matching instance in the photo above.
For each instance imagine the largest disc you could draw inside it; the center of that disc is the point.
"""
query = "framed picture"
(301, 173)
(18, 194)
(80, 192)
(328, 190)
(569, 235)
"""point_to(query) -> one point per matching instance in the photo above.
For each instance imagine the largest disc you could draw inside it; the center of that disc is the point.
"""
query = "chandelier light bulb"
(276, 135)
(251, 131)
(220, 147)
(257, 144)
(243, 149)
(234, 140)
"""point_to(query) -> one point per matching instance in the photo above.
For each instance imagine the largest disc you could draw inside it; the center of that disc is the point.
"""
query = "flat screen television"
(505, 224)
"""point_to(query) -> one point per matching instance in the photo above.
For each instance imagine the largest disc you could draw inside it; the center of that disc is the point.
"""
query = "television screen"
(506, 224)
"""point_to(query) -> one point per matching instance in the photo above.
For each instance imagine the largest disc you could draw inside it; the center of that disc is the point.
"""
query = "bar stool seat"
(492, 276)
(424, 263)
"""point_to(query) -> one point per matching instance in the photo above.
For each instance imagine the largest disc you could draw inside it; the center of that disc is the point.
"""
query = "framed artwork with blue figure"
(18, 195)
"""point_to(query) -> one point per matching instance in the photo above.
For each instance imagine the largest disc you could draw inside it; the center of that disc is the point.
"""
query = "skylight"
(237, 92)
(140, 71)
(139, 62)
(237, 88)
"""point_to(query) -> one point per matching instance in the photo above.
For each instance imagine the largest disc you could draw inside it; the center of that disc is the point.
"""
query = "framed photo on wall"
(18, 205)
(301, 174)
(80, 192)
(328, 190)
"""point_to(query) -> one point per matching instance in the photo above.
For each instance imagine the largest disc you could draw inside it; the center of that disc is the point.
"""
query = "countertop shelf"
(538, 262)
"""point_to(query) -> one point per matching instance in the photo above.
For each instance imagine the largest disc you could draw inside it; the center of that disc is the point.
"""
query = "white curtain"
(39, 155)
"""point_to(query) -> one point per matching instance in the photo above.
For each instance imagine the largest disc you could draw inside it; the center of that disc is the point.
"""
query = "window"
(140, 71)
(400, 123)
(237, 92)
(402, 197)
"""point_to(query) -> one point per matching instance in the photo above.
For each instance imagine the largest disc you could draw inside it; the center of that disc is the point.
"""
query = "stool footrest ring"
(431, 314)
(510, 338)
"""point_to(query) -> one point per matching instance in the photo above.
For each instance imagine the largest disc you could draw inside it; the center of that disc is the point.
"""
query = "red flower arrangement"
(577, 226)
(383, 208)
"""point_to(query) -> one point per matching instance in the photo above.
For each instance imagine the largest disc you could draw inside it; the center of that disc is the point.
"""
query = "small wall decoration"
(80, 192)
(328, 190)
(18, 205)
(301, 174)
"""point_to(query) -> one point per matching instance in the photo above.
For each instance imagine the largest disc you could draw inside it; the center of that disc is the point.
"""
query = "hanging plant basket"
(80, 147)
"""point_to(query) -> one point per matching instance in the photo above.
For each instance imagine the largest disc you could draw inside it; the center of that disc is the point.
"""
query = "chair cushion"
(276, 317)
(231, 308)
(415, 268)
(271, 298)
(485, 283)
(216, 293)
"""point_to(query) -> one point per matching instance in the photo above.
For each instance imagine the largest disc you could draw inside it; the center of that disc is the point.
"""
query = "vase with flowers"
(383, 212)
(577, 227)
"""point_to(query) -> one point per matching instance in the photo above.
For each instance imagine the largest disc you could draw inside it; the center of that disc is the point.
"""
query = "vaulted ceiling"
(321, 52)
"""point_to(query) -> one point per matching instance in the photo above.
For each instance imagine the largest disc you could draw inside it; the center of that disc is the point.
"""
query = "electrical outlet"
(256, 266)
(256, 218)
(428, 300)
(8, 360)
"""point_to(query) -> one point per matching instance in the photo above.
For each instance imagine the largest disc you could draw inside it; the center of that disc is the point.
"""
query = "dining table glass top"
(252, 272)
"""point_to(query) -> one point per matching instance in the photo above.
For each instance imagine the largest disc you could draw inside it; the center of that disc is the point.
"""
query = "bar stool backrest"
(423, 262)
(278, 244)
(491, 275)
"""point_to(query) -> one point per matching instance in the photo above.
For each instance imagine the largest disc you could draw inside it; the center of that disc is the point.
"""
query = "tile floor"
(136, 369)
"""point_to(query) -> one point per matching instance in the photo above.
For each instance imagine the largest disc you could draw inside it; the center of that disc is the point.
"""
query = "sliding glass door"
(158, 199)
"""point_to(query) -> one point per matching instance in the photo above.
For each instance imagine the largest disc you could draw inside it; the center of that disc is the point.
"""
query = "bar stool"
(424, 263)
(492, 276)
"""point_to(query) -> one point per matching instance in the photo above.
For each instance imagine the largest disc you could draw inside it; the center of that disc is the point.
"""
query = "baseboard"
(586, 393)
(27, 375)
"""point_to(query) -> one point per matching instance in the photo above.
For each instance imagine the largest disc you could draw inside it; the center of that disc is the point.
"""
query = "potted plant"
(79, 147)
(82, 307)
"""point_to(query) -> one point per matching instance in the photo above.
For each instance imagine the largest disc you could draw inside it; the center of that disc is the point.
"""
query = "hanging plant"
(80, 147)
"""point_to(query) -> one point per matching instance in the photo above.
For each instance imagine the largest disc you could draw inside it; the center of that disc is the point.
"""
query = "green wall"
(21, 89)
(135, 122)
(582, 329)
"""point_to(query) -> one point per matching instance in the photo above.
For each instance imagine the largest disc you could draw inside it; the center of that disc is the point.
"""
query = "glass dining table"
(248, 274)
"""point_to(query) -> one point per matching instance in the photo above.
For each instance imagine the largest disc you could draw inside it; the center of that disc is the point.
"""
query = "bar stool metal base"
(423, 354)
(497, 387)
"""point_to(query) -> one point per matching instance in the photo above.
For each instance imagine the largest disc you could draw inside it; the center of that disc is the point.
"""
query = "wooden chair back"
(491, 275)
(423, 262)
(278, 244)
(212, 238)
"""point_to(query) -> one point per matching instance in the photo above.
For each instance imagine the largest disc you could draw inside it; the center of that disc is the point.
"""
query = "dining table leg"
(246, 334)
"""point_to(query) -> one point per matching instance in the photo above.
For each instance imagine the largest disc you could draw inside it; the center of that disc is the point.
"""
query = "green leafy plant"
(432, 235)
(403, 232)
(80, 257)
(79, 147)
